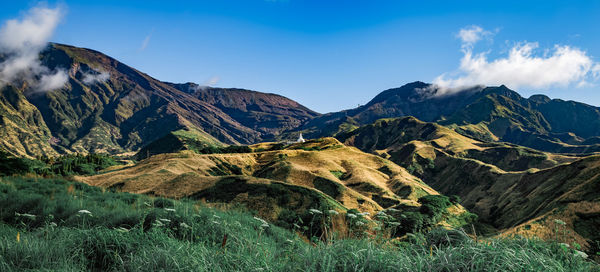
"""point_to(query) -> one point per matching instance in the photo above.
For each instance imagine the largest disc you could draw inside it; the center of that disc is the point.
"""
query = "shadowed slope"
(122, 109)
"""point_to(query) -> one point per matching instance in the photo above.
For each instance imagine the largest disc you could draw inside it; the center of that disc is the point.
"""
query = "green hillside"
(79, 227)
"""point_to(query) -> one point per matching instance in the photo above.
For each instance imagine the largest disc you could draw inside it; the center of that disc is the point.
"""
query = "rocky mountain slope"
(107, 106)
(484, 113)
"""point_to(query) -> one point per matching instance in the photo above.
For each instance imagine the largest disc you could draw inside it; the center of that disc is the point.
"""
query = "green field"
(59, 225)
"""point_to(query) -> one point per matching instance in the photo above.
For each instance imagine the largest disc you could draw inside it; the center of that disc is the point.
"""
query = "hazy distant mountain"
(107, 106)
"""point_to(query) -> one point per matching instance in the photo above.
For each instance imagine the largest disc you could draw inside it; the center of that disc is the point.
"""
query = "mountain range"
(519, 163)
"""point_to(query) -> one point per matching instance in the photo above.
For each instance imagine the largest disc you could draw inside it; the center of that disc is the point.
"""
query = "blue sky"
(334, 55)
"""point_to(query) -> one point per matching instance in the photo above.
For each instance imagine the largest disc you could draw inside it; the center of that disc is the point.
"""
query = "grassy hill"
(505, 185)
(53, 224)
(282, 182)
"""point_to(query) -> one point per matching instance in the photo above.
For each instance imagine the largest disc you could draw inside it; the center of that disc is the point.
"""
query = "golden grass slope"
(517, 190)
(343, 176)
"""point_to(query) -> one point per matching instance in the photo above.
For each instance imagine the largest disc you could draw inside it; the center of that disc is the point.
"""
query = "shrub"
(434, 205)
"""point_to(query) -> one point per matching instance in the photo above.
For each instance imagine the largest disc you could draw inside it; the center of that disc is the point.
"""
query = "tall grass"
(126, 232)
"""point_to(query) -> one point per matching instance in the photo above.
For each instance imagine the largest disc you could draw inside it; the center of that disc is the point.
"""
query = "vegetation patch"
(329, 187)
(58, 225)
(66, 165)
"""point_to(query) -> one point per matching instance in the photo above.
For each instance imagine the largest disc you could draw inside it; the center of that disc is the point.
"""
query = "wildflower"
(165, 220)
(184, 225)
(216, 216)
(52, 224)
(560, 222)
(264, 226)
(86, 212)
(26, 215)
(315, 211)
(351, 215)
(18, 237)
(333, 212)
(157, 223)
(564, 245)
(289, 241)
(215, 222)
(394, 224)
(364, 213)
(580, 254)
(359, 223)
(169, 210)
(260, 220)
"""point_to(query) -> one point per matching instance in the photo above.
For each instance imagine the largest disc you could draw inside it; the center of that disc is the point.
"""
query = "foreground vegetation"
(66, 165)
(53, 224)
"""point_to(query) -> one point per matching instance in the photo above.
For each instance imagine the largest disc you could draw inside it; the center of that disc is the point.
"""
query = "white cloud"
(472, 34)
(53, 81)
(560, 66)
(21, 41)
(90, 78)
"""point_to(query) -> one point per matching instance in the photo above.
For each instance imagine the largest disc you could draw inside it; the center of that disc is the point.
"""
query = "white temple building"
(300, 139)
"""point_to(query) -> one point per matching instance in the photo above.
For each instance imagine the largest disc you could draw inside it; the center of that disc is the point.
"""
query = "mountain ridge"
(128, 109)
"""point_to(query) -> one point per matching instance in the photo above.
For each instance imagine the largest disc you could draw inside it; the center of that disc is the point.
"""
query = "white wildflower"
(289, 241)
(184, 225)
(333, 212)
(315, 211)
(216, 216)
(564, 244)
(52, 224)
(264, 226)
(85, 212)
(26, 215)
(351, 215)
(260, 220)
(165, 220)
(580, 254)
(364, 213)
(359, 223)
(169, 210)
(215, 222)
(560, 222)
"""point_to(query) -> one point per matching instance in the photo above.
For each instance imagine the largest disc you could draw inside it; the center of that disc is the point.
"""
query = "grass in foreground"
(61, 225)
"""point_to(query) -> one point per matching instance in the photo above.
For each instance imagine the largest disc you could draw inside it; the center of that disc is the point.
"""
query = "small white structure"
(300, 139)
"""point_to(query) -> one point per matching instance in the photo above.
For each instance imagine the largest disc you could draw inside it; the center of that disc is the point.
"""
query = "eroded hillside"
(505, 185)
(275, 177)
